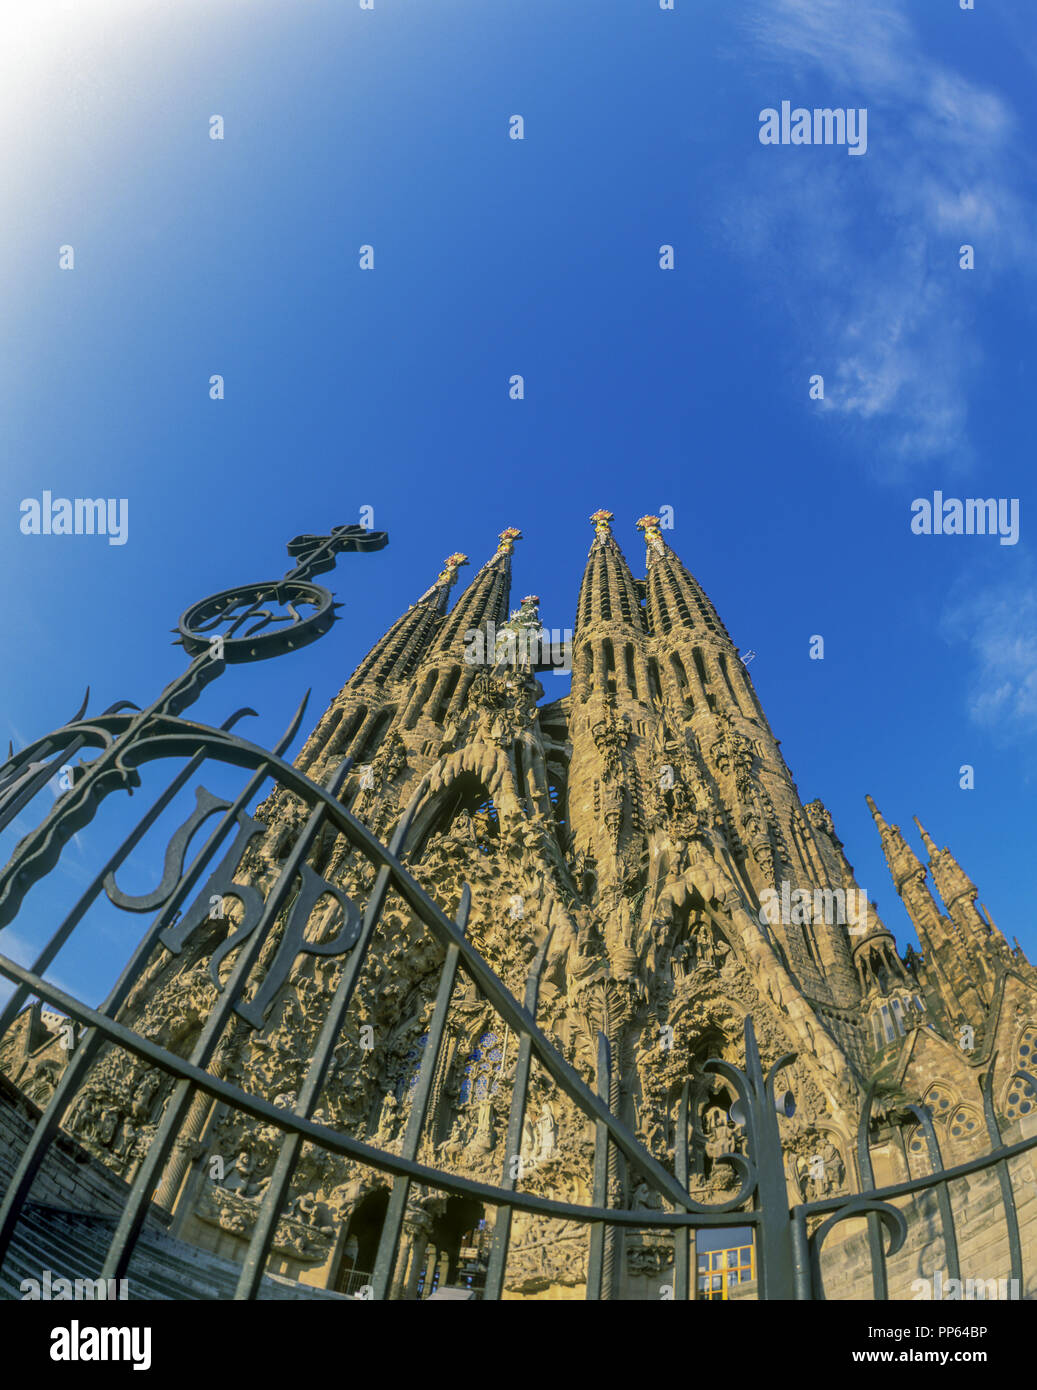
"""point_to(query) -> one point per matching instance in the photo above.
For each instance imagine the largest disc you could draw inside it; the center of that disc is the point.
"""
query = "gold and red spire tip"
(602, 523)
(452, 564)
(508, 537)
(650, 526)
(531, 598)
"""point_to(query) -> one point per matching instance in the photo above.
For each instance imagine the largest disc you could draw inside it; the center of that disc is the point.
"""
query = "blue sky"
(643, 388)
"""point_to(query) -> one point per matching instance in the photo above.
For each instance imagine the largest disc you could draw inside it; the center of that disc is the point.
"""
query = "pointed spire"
(486, 598)
(602, 527)
(675, 597)
(904, 864)
(955, 971)
(445, 580)
(653, 535)
(394, 656)
(609, 591)
(948, 875)
(926, 840)
(982, 939)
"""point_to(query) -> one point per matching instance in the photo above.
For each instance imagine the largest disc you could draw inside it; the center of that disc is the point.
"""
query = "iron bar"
(1004, 1177)
(682, 1239)
(78, 911)
(179, 1102)
(774, 1259)
(494, 1283)
(83, 1057)
(596, 1251)
(396, 1212)
(876, 1248)
(943, 1197)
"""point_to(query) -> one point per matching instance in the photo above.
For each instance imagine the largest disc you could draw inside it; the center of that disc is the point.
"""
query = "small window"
(481, 1074)
(412, 1068)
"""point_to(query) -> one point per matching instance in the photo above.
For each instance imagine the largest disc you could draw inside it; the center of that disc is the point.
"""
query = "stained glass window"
(964, 1122)
(1021, 1098)
(411, 1068)
(487, 825)
(938, 1102)
(481, 1072)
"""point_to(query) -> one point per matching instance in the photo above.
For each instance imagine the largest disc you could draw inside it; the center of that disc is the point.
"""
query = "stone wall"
(69, 1176)
(980, 1229)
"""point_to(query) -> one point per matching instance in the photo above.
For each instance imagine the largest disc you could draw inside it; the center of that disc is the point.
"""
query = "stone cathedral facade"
(645, 825)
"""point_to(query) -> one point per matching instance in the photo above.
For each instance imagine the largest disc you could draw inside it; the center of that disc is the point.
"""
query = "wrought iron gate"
(242, 625)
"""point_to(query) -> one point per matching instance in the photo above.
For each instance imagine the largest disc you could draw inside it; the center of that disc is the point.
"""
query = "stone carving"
(611, 735)
(616, 819)
(731, 751)
(820, 818)
(646, 1259)
(645, 1198)
(721, 1135)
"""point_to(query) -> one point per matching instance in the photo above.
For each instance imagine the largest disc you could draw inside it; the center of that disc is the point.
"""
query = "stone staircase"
(73, 1245)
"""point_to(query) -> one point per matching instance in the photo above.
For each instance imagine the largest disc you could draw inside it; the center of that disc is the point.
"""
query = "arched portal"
(459, 1247)
(464, 805)
(360, 1243)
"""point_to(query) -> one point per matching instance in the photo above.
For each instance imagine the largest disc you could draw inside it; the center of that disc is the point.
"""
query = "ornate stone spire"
(484, 601)
(609, 592)
(701, 667)
(602, 525)
(675, 597)
(949, 965)
(904, 865)
(394, 656)
(951, 881)
(609, 631)
(984, 943)
(653, 536)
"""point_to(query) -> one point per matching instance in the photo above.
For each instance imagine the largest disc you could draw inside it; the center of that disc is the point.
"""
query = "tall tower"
(646, 828)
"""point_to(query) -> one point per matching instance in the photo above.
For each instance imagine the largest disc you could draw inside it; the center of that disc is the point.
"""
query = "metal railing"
(787, 1251)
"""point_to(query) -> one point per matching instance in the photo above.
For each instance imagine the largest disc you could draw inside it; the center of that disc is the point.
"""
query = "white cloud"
(22, 952)
(887, 323)
(999, 625)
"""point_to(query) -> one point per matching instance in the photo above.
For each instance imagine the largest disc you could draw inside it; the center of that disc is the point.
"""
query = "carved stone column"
(417, 1227)
(420, 1247)
(185, 1146)
(185, 1150)
(430, 1269)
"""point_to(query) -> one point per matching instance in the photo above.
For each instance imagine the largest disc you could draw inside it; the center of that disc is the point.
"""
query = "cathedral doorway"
(360, 1244)
(459, 1247)
(464, 810)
